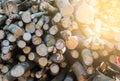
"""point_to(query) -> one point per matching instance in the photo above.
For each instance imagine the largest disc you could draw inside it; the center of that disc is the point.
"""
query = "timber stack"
(56, 40)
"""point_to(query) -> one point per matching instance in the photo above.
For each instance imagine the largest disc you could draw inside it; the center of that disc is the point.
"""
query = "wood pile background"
(57, 40)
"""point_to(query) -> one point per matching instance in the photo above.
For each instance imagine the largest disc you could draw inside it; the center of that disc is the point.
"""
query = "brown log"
(30, 27)
(72, 42)
(5, 69)
(34, 8)
(6, 56)
(95, 54)
(40, 22)
(53, 30)
(65, 7)
(63, 64)
(22, 58)
(39, 33)
(26, 49)
(36, 40)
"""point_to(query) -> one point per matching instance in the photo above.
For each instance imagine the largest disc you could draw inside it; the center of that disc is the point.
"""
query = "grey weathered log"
(27, 36)
(40, 22)
(79, 71)
(49, 40)
(6, 49)
(57, 58)
(5, 69)
(2, 34)
(11, 37)
(32, 56)
(18, 70)
(68, 78)
(5, 43)
(87, 56)
(2, 19)
(16, 30)
(38, 14)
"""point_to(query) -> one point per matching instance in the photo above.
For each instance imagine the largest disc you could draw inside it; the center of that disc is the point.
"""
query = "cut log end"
(17, 71)
(18, 33)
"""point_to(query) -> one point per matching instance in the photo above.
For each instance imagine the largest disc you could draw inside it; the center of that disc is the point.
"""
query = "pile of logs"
(56, 40)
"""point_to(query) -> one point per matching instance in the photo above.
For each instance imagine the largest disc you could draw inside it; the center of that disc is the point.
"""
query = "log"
(26, 17)
(42, 62)
(6, 49)
(79, 71)
(36, 40)
(30, 27)
(46, 26)
(38, 14)
(95, 54)
(84, 13)
(63, 64)
(53, 30)
(48, 7)
(5, 69)
(21, 44)
(2, 34)
(66, 22)
(34, 8)
(22, 58)
(70, 44)
(68, 78)
(6, 56)
(65, 34)
(42, 50)
(18, 70)
(87, 56)
(60, 44)
(32, 56)
(49, 40)
(74, 54)
(57, 58)
(65, 7)
(26, 49)
(40, 22)
(54, 68)
(20, 23)
(16, 30)
(39, 33)
(11, 37)
(27, 36)
(57, 18)
(5, 43)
